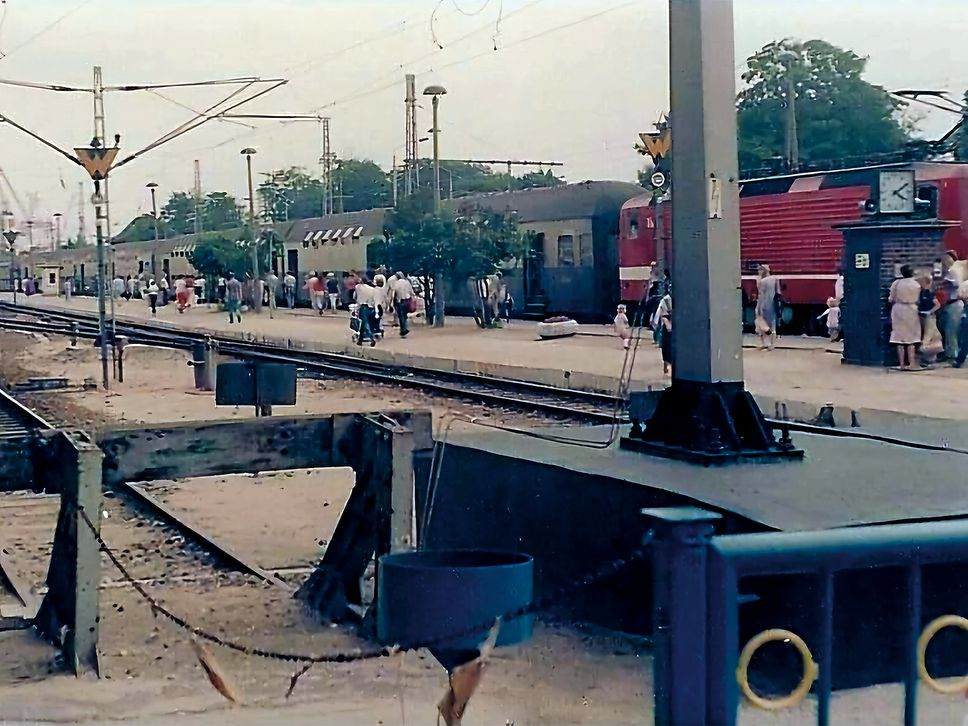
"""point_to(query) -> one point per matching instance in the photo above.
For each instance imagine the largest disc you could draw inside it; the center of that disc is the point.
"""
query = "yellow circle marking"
(932, 629)
(797, 694)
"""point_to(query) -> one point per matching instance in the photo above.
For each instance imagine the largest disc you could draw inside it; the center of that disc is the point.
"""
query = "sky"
(548, 80)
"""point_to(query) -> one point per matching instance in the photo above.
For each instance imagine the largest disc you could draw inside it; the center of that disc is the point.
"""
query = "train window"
(51, 278)
(141, 266)
(566, 250)
(585, 250)
(633, 228)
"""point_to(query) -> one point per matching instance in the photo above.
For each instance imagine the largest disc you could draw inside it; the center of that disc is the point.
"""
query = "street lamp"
(247, 152)
(97, 161)
(151, 187)
(436, 92)
(11, 236)
(788, 58)
(57, 230)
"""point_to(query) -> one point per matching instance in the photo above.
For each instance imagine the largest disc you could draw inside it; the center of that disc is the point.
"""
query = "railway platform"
(800, 372)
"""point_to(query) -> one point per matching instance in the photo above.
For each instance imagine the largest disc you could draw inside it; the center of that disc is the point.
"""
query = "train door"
(292, 262)
(534, 264)
(166, 268)
(81, 286)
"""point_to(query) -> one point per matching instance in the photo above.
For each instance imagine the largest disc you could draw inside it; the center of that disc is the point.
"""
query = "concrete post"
(705, 209)
(69, 614)
(680, 536)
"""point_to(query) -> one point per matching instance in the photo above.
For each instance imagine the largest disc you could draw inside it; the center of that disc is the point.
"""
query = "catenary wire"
(47, 28)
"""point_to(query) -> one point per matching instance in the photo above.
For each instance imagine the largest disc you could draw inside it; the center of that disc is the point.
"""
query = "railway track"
(17, 422)
(591, 407)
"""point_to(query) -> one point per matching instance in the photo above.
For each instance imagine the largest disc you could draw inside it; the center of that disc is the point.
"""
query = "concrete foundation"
(574, 509)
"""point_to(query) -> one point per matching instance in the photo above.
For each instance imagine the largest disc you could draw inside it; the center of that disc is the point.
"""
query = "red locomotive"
(787, 222)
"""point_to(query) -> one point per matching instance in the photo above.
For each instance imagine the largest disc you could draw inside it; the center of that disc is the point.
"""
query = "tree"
(539, 179)
(840, 116)
(220, 211)
(361, 184)
(291, 194)
(217, 253)
(468, 244)
(141, 229)
(179, 214)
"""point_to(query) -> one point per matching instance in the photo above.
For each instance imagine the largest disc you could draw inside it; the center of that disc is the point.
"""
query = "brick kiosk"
(873, 254)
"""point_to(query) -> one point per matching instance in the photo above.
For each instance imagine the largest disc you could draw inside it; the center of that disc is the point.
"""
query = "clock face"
(896, 192)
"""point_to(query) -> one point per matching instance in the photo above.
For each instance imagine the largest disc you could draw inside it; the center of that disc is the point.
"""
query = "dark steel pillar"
(706, 416)
(680, 538)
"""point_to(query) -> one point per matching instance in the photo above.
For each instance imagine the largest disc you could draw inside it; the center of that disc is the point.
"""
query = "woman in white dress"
(905, 320)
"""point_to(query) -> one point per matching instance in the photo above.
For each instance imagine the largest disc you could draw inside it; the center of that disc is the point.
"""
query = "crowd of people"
(928, 320)
(374, 299)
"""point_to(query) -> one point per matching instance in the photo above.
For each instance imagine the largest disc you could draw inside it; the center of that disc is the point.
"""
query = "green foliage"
(140, 229)
(839, 114)
(218, 254)
(473, 242)
(178, 215)
(466, 179)
(291, 194)
(362, 185)
(220, 211)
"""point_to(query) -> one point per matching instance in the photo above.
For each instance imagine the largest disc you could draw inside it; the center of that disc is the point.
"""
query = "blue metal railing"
(697, 600)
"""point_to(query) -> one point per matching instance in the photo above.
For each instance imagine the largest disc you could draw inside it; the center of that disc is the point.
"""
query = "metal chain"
(610, 569)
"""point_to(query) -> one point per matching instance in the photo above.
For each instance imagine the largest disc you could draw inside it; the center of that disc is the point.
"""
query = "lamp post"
(788, 58)
(151, 187)
(11, 236)
(435, 92)
(247, 152)
(57, 230)
(97, 161)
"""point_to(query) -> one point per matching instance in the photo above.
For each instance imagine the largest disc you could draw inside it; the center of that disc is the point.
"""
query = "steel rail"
(490, 390)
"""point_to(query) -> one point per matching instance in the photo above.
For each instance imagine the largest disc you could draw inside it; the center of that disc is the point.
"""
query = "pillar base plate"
(708, 424)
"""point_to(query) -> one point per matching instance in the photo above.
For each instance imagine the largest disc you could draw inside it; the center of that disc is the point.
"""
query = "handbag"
(412, 305)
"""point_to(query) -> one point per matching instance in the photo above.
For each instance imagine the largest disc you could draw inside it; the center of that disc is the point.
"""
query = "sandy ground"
(801, 372)
(159, 388)
(565, 675)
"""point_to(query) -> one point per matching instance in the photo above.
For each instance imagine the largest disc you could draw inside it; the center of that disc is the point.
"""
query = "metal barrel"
(426, 595)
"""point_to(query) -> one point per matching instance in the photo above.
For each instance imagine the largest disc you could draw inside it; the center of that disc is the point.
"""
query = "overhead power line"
(46, 29)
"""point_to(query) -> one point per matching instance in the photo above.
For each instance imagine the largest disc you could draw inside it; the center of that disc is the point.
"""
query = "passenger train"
(788, 223)
(570, 270)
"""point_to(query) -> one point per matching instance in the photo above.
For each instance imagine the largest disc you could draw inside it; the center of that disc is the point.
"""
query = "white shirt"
(180, 284)
(839, 288)
(366, 294)
(402, 290)
(289, 281)
(963, 291)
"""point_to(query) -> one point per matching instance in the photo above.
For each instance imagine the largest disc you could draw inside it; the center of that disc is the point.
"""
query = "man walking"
(272, 287)
(289, 288)
(233, 298)
(366, 299)
(403, 298)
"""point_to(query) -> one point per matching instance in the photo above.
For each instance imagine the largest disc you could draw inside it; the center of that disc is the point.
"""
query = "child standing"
(622, 328)
(832, 313)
